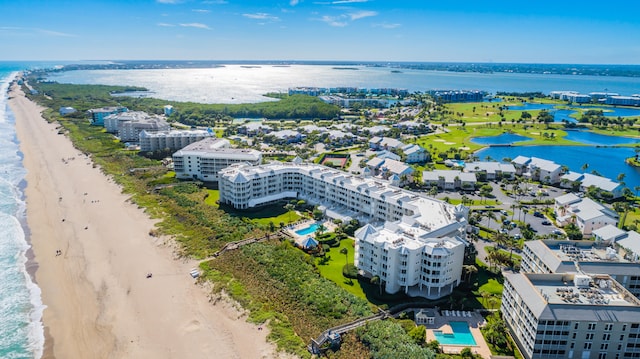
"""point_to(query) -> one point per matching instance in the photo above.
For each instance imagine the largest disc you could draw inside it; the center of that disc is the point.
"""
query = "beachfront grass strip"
(280, 278)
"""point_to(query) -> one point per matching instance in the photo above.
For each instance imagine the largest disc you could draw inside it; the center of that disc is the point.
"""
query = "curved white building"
(413, 243)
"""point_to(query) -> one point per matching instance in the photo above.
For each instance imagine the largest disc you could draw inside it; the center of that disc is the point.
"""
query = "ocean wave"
(21, 307)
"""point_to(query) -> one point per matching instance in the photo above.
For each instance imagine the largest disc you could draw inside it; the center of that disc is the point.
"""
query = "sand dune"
(99, 302)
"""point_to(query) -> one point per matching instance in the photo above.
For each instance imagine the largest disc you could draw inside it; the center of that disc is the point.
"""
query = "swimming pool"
(307, 230)
(461, 335)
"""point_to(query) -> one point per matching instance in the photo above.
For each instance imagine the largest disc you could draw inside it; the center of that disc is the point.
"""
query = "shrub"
(350, 271)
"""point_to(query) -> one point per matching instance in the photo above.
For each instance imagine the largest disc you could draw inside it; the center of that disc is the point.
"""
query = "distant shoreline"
(604, 70)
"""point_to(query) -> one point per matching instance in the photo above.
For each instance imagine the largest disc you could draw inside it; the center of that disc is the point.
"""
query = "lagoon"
(597, 139)
(238, 84)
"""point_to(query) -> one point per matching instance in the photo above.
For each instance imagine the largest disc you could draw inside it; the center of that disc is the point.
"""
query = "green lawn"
(332, 269)
(262, 216)
(213, 197)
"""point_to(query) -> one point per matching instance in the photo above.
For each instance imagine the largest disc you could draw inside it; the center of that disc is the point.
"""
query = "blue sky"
(358, 30)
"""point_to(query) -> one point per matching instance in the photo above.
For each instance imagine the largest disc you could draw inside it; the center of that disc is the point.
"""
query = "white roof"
(449, 176)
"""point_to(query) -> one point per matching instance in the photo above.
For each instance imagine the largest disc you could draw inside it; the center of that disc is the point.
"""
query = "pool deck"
(304, 224)
(475, 321)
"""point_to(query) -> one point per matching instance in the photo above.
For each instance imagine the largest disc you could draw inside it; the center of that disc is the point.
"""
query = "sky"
(498, 31)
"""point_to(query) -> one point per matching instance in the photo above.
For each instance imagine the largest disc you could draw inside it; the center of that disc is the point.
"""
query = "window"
(606, 337)
(608, 327)
(592, 326)
(589, 336)
(604, 346)
(587, 345)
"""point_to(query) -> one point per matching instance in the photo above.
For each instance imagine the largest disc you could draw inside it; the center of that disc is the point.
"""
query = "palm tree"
(490, 216)
(492, 302)
(345, 251)
(469, 270)
(289, 207)
(485, 296)
(584, 167)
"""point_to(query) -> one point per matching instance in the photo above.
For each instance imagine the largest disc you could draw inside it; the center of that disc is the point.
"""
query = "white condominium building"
(173, 140)
(571, 316)
(418, 247)
(203, 160)
(407, 256)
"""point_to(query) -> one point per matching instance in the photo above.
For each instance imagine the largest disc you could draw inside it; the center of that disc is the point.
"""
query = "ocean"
(21, 330)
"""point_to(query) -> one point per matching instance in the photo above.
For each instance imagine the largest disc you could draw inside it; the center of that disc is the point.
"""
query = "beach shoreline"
(90, 252)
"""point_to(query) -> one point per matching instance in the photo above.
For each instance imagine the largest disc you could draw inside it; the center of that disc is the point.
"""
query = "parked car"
(558, 232)
(546, 223)
(538, 214)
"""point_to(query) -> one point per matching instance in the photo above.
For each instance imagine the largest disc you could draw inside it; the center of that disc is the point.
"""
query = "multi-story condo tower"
(172, 140)
(412, 243)
(203, 160)
(571, 316)
(550, 256)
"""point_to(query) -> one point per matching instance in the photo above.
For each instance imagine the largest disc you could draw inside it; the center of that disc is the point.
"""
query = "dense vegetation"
(387, 339)
(85, 97)
(280, 284)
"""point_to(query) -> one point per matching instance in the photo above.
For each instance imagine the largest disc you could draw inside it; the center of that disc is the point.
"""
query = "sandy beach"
(99, 302)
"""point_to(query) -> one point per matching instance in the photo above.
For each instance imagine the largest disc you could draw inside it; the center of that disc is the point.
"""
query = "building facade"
(584, 212)
(566, 315)
(172, 140)
(98, 114)
(203, 160)
(551, 256)
(410, 258)
(413, 243)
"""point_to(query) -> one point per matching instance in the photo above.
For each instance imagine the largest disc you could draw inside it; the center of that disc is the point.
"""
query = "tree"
(345, 251)
(584, 167)
(490, 215)
(418, 334)
(495, 331)
(289, 207)
(485, 296)
(469, 270)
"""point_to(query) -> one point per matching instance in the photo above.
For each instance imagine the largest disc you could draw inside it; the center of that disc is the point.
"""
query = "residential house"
(415, 154)
(490, 170)
(586, 213)
(450, 179)
(587, 180)
(537, 169)
(392, 170)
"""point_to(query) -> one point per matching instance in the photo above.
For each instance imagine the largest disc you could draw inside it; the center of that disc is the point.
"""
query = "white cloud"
(164, 24)
(169, 1)
(261, 16)
(196, 25)
(335, 21)
(362, 14)
(215, 2)
(294, 2)
(387, 25)
(202, 11)
(55, 33)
